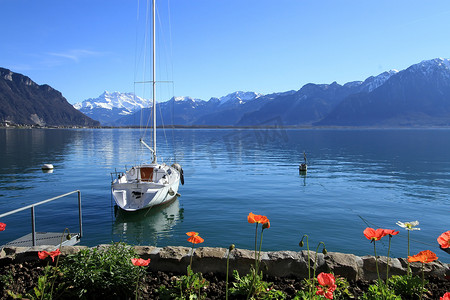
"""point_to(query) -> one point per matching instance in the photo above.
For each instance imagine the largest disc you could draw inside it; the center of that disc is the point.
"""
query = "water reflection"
(147, 227)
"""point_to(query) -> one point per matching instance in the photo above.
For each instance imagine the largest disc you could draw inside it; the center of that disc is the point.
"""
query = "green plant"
(311, 281)
(424, 257)
(380, 291)
(257, 219)
(406, 286)
(254, 287)
(45, 285)
(46, 282)
(106, 272)
(342, 291)
(139, 262)
(307, 295)
(228, 266)
(7, 282)
(189, 286)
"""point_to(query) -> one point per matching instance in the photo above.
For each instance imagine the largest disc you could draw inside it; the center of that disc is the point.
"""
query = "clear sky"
(215, 47)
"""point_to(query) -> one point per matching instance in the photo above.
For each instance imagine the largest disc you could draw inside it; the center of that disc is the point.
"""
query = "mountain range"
(24, 102)
(416, 96)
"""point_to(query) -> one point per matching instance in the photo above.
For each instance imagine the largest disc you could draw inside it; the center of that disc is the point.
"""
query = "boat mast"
(154, 81)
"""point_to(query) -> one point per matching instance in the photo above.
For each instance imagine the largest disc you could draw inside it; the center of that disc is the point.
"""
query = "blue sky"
(212, 48)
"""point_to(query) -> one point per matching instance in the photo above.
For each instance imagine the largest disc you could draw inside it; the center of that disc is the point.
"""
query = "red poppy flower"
(326, 279)
(327, 293)
(390, 232)
(192, 233)
(55, 253)
(2, 226)
(423, 257)
(52, 254)
(374, 235)
(327, 285)
(445, 297)
(140, 262)
(444, 239)
(43, 254)
(196, 239)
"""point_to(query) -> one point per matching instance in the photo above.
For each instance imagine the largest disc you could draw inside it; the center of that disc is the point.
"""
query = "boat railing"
(32, 210)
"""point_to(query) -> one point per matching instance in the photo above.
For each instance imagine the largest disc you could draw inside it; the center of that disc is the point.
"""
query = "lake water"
(355, 179)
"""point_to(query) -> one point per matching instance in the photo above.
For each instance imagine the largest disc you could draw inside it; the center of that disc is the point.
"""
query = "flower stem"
(309, 268)
(408, 270)
(192, 255)
(137, 287)
(260, 245)
(256, 239)
(376, 260)
(423, 282)
(228, 264)
(387, 266)
(315, 258)
(256, 263)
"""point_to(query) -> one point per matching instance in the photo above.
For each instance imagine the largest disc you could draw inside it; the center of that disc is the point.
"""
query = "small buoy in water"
(47, 167)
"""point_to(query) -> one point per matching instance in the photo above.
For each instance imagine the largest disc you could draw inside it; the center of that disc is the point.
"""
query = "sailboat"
(149, 184)
(303, 167)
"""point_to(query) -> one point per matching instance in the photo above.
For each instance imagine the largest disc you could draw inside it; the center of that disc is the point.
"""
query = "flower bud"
(68, 237)
(301, 243)
(324, 251)
(231, 247)
(266, 225)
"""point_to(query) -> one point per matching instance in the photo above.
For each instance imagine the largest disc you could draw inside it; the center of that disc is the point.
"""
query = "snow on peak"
(239, 97)
(107, 100)
(374, 82)
(427, 67)
(184, 98)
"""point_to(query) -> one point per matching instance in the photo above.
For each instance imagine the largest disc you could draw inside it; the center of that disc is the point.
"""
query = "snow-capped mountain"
(108, 100)
(238, 98)
(428, 67)
(374, 82)
(419, 94)
(109, 107)
(416, 96)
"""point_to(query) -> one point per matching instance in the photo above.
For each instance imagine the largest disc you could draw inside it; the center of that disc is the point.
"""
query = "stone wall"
(279, 263)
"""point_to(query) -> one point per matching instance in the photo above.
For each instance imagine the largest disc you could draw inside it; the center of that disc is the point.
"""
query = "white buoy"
(47, 167)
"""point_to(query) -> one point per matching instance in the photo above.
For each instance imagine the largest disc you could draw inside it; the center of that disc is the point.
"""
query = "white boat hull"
(132, 192)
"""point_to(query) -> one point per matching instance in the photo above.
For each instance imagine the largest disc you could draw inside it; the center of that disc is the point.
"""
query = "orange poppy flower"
(423, 257)
(252, 218)
(444, 239)
(192, 233)
(445, 297)
(2, 226)
(390, 232)
(140, 262)
(196, 239)
(374, 235)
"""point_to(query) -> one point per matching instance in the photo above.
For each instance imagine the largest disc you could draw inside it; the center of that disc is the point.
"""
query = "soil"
(22, 278)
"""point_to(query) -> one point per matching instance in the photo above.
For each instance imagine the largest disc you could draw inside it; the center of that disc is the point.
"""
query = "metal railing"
(32, 206)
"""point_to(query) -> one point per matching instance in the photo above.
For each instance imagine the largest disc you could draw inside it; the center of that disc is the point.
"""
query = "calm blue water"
(355, 178)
